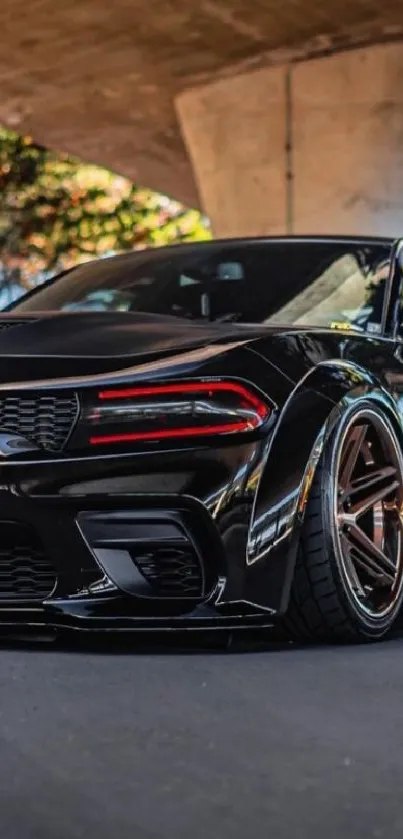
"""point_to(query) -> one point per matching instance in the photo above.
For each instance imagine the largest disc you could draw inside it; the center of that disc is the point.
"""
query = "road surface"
(280, 742)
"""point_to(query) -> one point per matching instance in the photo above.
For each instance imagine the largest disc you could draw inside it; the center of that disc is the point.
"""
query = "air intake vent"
(26, 573)
(171, 572)
(40, 418)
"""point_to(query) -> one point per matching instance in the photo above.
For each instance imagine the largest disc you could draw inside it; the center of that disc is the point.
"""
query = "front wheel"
(348, 581)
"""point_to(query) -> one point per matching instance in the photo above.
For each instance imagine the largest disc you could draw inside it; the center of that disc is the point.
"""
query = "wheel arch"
(306, 421)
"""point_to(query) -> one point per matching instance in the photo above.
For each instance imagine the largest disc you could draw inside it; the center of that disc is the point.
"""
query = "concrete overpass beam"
(315, 147)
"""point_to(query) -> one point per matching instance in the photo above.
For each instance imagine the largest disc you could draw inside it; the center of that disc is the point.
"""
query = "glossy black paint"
(237, 502)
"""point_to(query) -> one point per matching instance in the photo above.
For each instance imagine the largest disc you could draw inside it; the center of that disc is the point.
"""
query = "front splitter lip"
(44, 619)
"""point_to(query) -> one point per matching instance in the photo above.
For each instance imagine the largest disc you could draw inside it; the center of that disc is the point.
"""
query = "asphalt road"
(279, 743)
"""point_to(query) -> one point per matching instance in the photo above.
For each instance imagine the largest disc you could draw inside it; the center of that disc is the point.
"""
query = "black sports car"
(207, 435)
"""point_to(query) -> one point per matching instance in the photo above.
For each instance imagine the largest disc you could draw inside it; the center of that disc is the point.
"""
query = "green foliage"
(56, 211)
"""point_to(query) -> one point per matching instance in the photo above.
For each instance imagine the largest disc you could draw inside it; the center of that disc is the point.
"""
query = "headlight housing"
(174, 410)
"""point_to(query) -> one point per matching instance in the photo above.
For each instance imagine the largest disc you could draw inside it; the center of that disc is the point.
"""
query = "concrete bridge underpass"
(272, 117)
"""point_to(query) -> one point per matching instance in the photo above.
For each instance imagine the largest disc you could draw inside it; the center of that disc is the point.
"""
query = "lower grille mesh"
(40, 418)
(171, 571)
(26, 573)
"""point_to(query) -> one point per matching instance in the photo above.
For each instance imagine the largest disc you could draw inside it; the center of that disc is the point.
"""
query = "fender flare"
(305, 424)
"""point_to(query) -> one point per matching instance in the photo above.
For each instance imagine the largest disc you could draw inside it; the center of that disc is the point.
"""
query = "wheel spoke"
(378, 514)
(372, 554)
(382, 492)
(355, 580)
(363, 562)
(350, 459)
(371, 479)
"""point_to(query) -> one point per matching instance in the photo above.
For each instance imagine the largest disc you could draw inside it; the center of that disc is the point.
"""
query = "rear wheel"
(348, 582)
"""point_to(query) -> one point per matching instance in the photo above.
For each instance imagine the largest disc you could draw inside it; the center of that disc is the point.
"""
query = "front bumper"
(133, 543)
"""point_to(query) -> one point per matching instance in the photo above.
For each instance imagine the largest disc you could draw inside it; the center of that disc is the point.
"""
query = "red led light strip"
(171, 433)
(199, 387)
(262, 411)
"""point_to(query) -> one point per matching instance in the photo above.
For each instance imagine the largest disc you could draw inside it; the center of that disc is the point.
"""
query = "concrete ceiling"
(98, 78)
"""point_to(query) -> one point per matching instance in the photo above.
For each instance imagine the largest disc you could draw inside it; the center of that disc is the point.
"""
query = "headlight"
(180, 410)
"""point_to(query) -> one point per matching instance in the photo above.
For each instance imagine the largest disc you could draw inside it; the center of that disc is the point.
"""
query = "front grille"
(26, 573)
(40, 418)
(171, 572)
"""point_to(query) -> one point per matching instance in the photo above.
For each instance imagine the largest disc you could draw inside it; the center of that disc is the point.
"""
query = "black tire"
(321, 606)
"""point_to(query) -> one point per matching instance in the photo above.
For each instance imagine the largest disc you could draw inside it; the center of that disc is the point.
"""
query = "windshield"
(301, 282)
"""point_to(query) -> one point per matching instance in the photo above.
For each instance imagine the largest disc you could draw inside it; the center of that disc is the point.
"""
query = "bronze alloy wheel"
(348, 579)
(368, 514)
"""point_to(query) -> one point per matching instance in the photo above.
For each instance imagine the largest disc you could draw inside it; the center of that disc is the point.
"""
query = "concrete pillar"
(316, 147)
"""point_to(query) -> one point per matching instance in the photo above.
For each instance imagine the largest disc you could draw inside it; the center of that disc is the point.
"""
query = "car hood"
(57, 345)
(94, 343)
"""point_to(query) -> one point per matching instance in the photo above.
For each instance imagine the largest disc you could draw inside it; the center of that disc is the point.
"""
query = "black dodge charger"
(207, 436)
